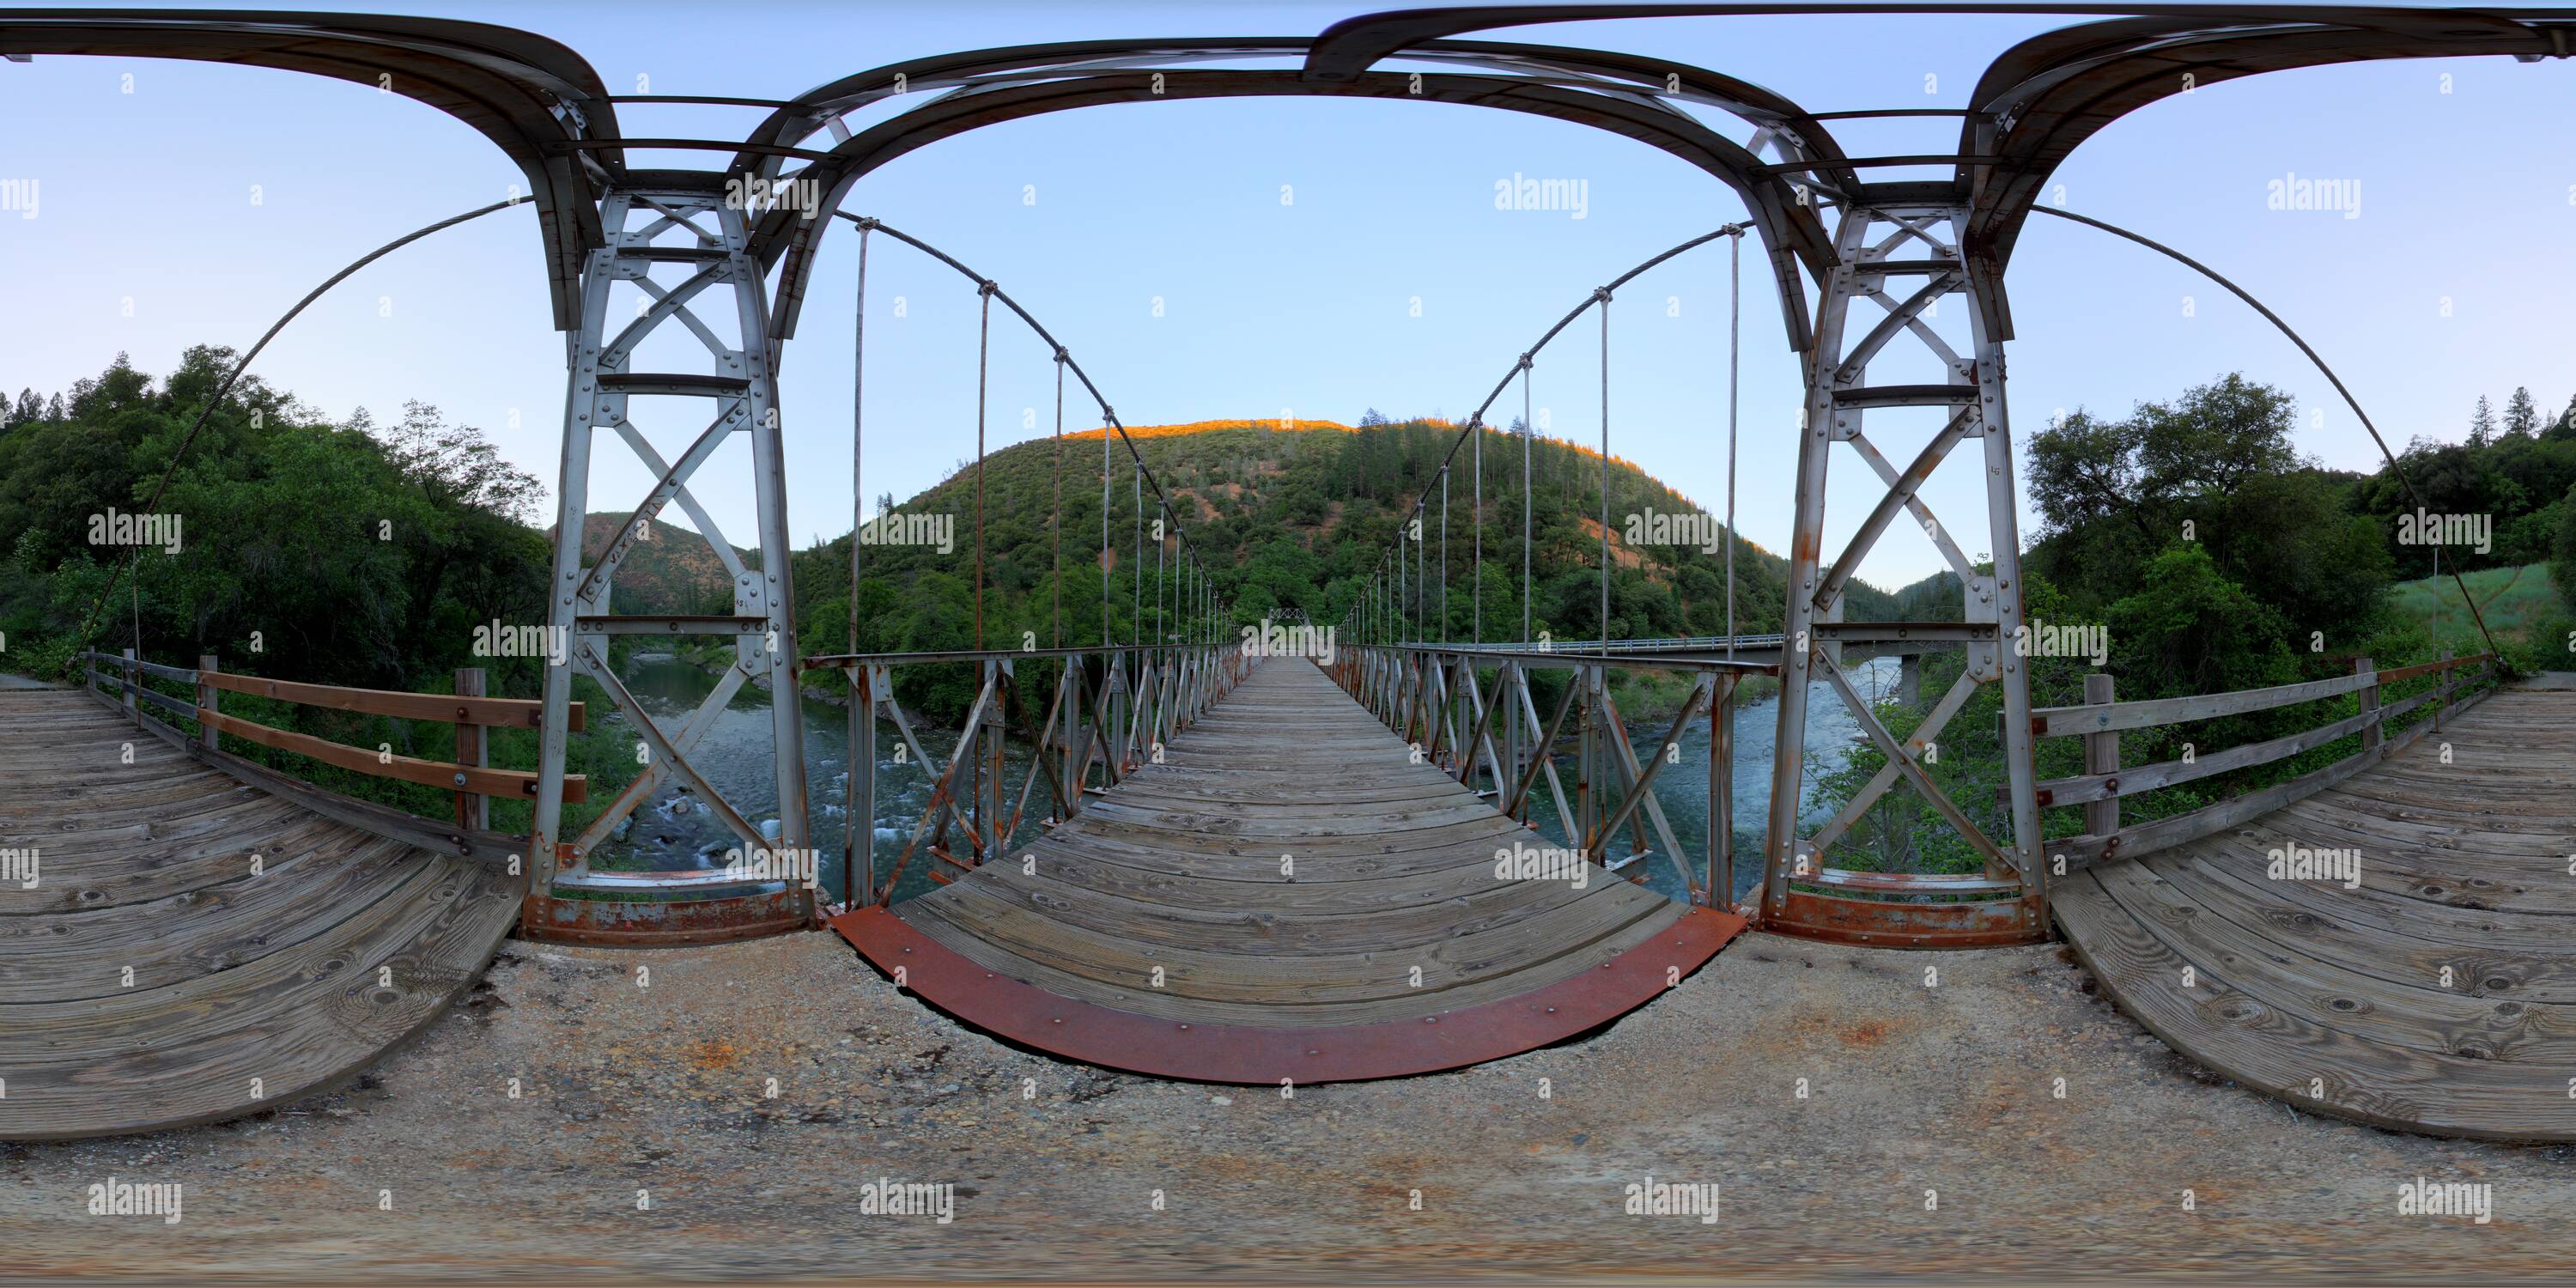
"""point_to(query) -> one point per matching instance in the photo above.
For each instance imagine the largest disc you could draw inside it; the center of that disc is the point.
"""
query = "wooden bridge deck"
(148, 979)
(1386, 946)
(2438, 995)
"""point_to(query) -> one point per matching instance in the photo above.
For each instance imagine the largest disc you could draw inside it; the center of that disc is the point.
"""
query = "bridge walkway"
(186, 947)
(2430, 988)
(1287, 896)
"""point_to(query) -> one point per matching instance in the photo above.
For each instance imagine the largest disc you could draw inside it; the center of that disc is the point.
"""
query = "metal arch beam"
(526, 93)
(1353, 45)
(1784, 223)
(2044, 97)
(813, 109)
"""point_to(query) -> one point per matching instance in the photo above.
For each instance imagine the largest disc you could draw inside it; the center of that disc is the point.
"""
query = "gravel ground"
(429, 1168)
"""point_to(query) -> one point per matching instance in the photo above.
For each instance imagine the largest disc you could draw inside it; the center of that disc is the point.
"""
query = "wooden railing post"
(207, 698)
(133, 682)
(473, 748)
(2372, 733)
(2101, 756)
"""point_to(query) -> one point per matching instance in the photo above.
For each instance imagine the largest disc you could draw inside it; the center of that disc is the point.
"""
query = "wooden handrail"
(2059, 722)
(513, 783)
(502, 713)
(469, 777)
(2099, 789)
(510, 713)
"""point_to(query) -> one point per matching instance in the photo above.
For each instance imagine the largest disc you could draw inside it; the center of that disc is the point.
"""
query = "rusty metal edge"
(1249, 1056)
(675, 923)
(1883, 923)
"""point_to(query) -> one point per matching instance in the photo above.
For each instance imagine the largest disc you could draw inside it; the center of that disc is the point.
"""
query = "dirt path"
(1520, 1165)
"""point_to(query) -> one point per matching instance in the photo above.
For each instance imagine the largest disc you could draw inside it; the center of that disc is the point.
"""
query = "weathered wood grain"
(2433, 992)
(150, 979)
(1390, 909)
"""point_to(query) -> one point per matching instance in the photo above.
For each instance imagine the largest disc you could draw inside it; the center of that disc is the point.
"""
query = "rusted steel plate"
(668, 924)
(1886, 923)
(1255, 1056)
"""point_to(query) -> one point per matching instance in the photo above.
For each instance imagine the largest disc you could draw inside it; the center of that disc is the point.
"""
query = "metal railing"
(1440, 699)
(1107, 711)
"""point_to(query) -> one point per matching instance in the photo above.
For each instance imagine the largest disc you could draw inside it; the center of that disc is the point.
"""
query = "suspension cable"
(1108, 414)
(1734, 358)
(1136, 575)
(1603, 295)
(225, 389)
(2284, 327)
(1055, 524)
(863, 705)
(1106, 560)
(1521, 368)
(983, 360)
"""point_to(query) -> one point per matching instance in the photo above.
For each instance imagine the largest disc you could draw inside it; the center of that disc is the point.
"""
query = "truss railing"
(1475, 713)
(1108, 710)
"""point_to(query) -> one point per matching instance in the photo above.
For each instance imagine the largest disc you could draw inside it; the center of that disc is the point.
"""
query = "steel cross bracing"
(551, 114)
(701, 245)
(1903, 259)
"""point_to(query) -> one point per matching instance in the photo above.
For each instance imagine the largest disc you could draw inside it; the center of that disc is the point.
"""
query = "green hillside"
(669, 570)
(1285, 519)
(2516, 603)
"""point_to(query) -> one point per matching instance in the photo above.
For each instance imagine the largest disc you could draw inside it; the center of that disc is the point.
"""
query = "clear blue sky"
(2467, 175)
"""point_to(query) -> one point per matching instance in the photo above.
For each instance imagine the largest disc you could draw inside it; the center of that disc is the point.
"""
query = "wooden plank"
(2056, 722)
(2435, 991)
(2147, 838)
(512, 783)
(237, 975)
(517, 713)
(2280, 1054)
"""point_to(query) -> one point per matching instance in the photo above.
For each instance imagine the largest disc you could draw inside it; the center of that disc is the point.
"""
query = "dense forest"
(364, 553)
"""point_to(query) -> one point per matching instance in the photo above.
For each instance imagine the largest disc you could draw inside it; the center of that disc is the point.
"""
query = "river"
(672, 831)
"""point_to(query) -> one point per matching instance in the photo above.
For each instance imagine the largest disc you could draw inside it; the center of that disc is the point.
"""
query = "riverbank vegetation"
(364, 553)
(2216, 557)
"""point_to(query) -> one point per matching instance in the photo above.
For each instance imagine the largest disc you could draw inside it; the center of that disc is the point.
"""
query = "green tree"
(2189, 629)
